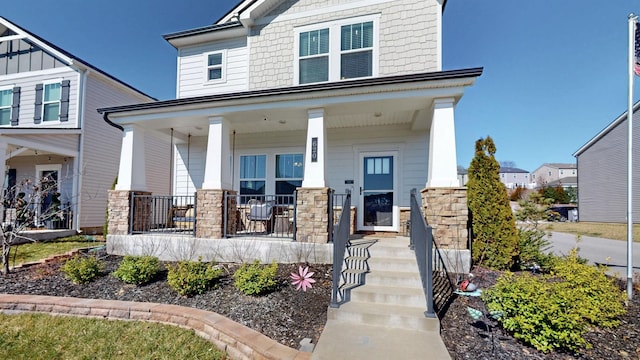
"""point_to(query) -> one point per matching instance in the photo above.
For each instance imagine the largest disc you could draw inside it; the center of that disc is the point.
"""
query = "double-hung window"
(339, 50)
(253, 174)
(289, 173)
(215, 66)
(51, 102)
(6, 101)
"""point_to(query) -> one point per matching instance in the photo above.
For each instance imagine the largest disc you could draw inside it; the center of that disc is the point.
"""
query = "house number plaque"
(314, 149)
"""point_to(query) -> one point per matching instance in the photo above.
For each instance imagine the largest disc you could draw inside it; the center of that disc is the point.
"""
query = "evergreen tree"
(494, 233)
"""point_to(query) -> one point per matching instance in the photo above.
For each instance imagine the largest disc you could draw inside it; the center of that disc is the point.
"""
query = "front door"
(378, 196)
(48, 177)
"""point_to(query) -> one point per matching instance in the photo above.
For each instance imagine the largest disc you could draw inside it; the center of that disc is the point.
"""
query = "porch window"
(215, 66)
(314, 56)
(51, 102)
(289, 173)
(253, 174)
(6, 99)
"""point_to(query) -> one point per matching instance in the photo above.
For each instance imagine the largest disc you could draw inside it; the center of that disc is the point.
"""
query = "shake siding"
(602, 177)
(27, 86)
(192, 69)
(102, 144)
(408, 39)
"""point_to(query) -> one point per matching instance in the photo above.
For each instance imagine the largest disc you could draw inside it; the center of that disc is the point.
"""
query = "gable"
(20, 55)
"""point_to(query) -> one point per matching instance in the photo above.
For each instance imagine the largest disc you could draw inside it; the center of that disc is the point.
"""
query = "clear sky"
(555, 71)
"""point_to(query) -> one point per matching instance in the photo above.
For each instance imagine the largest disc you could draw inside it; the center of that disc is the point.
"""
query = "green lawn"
(41, 336)
(40, 250)
(614, 231)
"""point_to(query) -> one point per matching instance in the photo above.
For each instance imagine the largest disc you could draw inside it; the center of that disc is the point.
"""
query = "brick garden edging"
(239, 341)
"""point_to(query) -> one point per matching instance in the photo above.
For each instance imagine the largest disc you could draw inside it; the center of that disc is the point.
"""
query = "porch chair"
(260, 213)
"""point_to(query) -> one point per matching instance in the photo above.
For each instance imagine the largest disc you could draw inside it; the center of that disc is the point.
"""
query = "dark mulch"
(289, 316)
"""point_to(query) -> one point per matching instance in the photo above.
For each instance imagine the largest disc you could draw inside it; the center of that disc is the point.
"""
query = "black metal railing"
(336, 205)
(340, 244)
(436, 282)
(162, 214)
(260, 215)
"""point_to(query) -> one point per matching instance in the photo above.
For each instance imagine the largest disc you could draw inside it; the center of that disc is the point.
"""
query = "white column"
(442, 146)
(132, 174)
(314, 160)
(217, 168)
(3, 162)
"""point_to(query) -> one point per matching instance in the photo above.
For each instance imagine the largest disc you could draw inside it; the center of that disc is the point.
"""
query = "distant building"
(554, 174)
(463, 176)
(513, 177)
(602, 161)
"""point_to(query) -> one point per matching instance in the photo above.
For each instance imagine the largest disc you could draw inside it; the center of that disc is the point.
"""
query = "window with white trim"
(215, 66)
(289, 173)
(6, 101)
(51, 102)
(253, 174)
(339, 50)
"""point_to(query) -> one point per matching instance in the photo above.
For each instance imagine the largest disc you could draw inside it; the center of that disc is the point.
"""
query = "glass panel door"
(378, 193)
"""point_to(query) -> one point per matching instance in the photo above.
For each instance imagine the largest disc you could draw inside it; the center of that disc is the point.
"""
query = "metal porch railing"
(162, 214)
(436, 282)
(260, 216)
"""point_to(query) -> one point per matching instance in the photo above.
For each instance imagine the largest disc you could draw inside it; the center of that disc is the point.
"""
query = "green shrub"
(554, 311)
(256, 279)
(192, 277)
(82, 269)
(137, 269)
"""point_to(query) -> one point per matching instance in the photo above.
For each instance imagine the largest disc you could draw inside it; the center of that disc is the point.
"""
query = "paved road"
(612, 253)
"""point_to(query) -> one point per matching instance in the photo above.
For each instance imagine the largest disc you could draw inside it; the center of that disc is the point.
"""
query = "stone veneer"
(119, 205)
(312, 215)
(447, 212)
(210, 213)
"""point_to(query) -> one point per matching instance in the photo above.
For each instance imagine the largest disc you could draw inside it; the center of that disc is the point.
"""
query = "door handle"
(360, 190)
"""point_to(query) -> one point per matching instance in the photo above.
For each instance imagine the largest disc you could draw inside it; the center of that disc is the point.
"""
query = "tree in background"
(494, 233)
(557, 194)
(508, 163)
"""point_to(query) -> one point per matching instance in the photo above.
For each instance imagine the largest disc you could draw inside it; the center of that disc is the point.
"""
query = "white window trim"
(44, 85)
(335, 48)
(275, 167)
(266, 171)
(4, 88)
(223, 67)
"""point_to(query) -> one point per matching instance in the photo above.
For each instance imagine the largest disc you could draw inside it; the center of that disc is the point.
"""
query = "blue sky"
(555, 72)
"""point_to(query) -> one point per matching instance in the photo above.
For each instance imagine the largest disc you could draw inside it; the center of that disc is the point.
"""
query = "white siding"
(26, 174)
(192, 69)
(189, 163)
(27, 83)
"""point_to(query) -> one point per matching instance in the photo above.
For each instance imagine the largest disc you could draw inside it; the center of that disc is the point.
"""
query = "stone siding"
(408, 38)
(119, 206)
(312, 215)
(210, 213)
(447, 212)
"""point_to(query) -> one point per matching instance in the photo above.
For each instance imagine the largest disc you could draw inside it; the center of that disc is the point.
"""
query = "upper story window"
(344, 49)
(6, 101)
(51, 102)
(215, 66)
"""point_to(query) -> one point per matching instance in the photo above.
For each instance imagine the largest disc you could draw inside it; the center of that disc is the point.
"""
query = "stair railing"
(340, 244)
(421, 241)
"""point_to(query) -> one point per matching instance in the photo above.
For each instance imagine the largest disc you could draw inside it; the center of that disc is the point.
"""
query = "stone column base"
(446, 211)
(210, 213)
(119, 207)
(312, 215)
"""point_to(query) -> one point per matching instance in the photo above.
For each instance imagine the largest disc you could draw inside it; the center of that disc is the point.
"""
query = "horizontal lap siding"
(192, 69)
(189, 166)
(102, 143)
(602, 177)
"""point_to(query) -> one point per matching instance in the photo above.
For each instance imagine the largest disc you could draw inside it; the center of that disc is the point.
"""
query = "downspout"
(78, 165)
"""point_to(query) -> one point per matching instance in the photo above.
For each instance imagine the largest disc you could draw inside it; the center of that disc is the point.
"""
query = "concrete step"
(377, 263)
(389, 295)
(390, 316)
(394, 278)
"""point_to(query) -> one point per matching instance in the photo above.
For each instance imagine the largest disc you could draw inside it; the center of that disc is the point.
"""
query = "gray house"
(602, 165)
(513, 177)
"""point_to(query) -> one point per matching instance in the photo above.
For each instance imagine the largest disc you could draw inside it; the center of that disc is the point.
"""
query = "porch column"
(132, 174)
(314, 160)
(442, 146)
(217, 168)
(3, 162)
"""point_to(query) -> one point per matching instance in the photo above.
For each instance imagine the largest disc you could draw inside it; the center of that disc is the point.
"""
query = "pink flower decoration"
(302, 279)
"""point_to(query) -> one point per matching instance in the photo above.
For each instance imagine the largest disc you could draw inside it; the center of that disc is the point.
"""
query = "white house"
(304, 96)
(50, 130)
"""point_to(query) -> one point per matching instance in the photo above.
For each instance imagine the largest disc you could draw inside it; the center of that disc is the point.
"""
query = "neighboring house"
(513, 177)
(306, 97)
(602, 162)
(50, 130)
(554, 173)
(463, 176)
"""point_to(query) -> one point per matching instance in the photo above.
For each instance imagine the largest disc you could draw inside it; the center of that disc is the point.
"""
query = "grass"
(29, 336)
(604, 230)
(40, 250)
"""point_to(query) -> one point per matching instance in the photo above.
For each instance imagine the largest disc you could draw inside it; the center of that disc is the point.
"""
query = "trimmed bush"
(137, 269)
(256, 279)
(82, 269)
(192, 277)
(554, 311)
